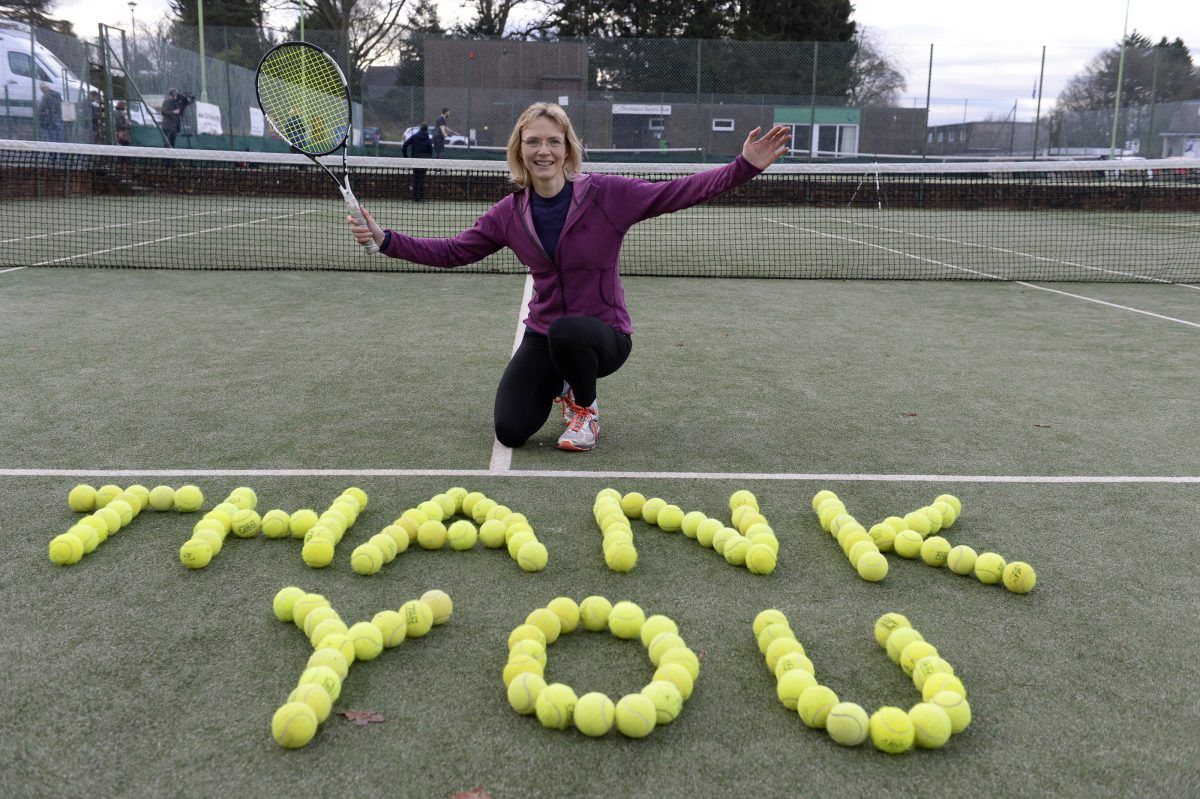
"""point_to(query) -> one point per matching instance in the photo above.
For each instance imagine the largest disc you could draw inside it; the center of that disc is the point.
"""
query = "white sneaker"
(582, 429)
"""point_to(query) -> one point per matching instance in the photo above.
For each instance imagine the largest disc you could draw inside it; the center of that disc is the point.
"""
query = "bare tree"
(491, 17)
(876, 79)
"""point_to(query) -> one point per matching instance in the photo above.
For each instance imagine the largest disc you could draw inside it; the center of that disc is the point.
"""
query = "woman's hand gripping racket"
(304, 95)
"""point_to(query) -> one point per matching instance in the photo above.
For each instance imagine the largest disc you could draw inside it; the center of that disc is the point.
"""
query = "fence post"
(1037, 121)
(928, 89)
(1153, 107)
(812, 109)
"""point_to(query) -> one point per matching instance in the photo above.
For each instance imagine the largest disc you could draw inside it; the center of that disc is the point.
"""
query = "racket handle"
(369, 246)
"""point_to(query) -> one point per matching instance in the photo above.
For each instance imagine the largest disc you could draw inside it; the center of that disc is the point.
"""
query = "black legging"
(578, 349)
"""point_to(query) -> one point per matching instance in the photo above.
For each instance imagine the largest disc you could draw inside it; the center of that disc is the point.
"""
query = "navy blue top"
(549, 216)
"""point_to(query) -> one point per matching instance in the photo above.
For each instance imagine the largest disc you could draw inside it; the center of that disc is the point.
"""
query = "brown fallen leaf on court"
(908, 413)
(362, 717)
(475, 793)
(1035, 424)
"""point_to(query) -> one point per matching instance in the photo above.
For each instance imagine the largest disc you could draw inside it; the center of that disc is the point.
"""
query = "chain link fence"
(640, 99)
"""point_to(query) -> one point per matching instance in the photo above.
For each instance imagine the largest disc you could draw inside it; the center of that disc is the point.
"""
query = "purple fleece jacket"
(583, 276)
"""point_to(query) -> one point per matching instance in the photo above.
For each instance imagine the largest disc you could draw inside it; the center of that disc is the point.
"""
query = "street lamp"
(133, 37)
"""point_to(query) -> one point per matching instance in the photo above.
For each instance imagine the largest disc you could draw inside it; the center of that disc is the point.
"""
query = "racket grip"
(369, 246)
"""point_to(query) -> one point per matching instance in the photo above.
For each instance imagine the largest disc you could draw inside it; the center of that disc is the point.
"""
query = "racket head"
(305, 96)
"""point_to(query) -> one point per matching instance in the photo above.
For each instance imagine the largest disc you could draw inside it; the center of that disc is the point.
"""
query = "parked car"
(454, 141)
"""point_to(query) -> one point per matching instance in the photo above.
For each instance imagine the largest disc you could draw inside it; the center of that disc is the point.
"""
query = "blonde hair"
(574, 157)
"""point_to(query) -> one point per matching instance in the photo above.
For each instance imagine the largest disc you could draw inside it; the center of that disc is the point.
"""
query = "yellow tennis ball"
(366, 559)
(65, 549)
(523, 692)
(821, 496)
(949, 515)
(518, 540)
(501, 512)
(111, 519)
(847, 724)
(315, 617)
(431, 535)
(82, 498)
(391, 627)
(526, 632)
(662, 643)
(284, 600)
(367, 640)
(859, 549)
(742, 497)
(195, 554)
(919, 522)
(361, 495)
(765, 537)
(952, 501)
(736, 549)
(301, 522)
(706, 530)
(418, 617)
(956, 707)
(886, 624)
(794, 660)
(791, 684)
(555, 706)
(891, 730)
(492, 534)
(337, 641)
(989, 568)
(931, 725)
(935, 550)
(317, 553)
(521, 664)
(961, 559)
(926, 667)
(246, 523)
(668, 702)
(294, 725)
(440, 603)
(670, 518)
(907, 543)
(567, 612)
(89, 535)
(330, 658)
(387, 545)
(684, 657)
(691, 522)
(275, 524)
(768, 617)
(626, 619)
(530, 648)
(594, 713)
(547, 621)
(532, 556)
(883, 536)
(481, 509)
(1019, 577)
(914, 652)
(621, 558)
(636, 716)
(122, 508)
(678, 676)
(467, 504)
(399, 536)
(162, 498)
(305, 604)
(325, 678)
(943, 682)
(315, 697)
(654, 625)
(651, 507)
(328, 626)
(773, 632)
(188, 499)
(815, 704)
(899, 639)
(462, 535)
(780, 647)
(106, 494)
(432, 510)
(594, 612)
(872, 566)
(721, 538)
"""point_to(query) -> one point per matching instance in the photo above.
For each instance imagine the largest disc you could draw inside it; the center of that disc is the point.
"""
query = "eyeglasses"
(536, 144)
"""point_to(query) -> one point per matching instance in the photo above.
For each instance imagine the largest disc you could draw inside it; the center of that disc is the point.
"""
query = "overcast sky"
(986, 55)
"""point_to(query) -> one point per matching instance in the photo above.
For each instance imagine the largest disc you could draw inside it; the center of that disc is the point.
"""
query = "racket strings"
(304, 95)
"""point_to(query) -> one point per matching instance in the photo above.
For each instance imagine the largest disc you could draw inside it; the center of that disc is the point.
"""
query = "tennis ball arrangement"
(929, 724)
(861, 548)
(336, 647)
(234, 514)
(111, 510)
(328, 529)
(556, 705)
(431, 525)
(750, 542)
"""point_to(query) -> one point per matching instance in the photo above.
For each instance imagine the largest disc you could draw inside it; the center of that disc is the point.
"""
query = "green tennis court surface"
(128, 674)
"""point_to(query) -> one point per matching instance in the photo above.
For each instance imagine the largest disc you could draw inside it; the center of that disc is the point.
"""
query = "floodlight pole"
(203, 79)
(1037, 120)
(1112, 142)
(301, 4)
(133, 33)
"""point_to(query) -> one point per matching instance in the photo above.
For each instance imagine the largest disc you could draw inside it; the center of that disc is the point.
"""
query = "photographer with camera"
(172, 111)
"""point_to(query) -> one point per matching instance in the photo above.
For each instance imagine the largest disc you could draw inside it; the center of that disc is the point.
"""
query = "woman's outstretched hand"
(767, 150)
(368, 232)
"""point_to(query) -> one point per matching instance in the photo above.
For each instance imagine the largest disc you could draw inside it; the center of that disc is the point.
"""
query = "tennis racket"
(304, 95)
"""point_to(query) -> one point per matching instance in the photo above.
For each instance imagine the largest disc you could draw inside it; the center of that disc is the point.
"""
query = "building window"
(722, 125)
(656, 123)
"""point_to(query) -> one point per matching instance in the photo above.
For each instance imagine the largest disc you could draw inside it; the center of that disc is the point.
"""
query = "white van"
(17, 74)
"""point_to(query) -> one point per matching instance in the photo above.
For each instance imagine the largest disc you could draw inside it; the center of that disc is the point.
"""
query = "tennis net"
(98, 206)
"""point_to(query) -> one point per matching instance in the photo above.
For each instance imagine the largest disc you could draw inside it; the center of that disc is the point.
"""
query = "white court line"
(501, 455)
(12, 269)
(114, 227)
(618, 475)
(171, 238)
(1000, 249)
(986, 274)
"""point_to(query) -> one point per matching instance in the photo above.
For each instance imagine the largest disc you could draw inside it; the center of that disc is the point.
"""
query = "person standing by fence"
(50, 118)
(418, 145)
